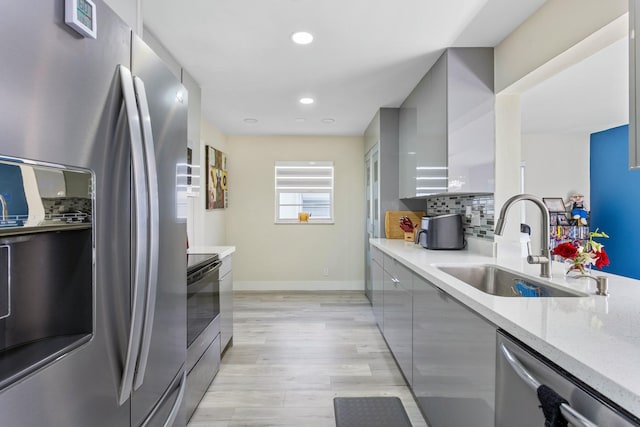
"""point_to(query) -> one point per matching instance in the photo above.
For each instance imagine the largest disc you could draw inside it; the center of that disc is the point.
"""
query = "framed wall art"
(217, 197)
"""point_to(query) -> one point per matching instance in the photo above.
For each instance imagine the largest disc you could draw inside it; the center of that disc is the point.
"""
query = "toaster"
(441, 232)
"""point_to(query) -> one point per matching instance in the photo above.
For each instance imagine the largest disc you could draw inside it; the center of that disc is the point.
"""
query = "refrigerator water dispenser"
(46, 266)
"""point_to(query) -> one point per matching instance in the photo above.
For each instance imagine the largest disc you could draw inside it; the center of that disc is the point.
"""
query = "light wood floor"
(292, 354)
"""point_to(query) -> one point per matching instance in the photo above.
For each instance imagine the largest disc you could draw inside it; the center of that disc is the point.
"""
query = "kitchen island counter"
(595, 338)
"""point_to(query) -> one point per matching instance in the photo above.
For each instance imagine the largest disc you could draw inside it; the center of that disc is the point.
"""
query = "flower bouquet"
(582, 258)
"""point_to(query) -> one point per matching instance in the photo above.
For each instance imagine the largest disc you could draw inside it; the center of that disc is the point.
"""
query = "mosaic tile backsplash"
(480, 204)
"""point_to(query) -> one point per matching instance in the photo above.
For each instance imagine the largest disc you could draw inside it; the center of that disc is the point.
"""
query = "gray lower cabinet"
(226, 303)
(377, 292)
(397, 314)
(454, 360)
(200, 377)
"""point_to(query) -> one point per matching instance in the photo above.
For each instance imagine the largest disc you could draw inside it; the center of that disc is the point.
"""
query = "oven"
(203, 326)
(203, 294)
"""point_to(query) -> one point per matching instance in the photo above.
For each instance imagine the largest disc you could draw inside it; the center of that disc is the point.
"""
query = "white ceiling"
(590, 96)
(366, 54)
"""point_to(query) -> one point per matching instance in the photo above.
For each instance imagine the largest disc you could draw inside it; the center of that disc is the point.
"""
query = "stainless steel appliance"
(92, 272)
(203, 326)
(520, 371)
(441, 232)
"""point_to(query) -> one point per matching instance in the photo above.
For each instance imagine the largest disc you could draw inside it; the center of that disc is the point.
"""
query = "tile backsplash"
(482, 206)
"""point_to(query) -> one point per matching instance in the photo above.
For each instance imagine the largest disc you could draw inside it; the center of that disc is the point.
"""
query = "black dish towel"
(550, 402)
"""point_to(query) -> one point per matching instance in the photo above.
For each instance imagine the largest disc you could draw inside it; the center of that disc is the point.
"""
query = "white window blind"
(304, 187)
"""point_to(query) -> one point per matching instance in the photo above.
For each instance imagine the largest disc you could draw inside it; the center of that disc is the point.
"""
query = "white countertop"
(595, 338)
(222, 251)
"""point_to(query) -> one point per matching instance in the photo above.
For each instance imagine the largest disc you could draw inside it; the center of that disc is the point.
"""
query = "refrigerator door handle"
(178, 403)
(141, 215)
(154, 230)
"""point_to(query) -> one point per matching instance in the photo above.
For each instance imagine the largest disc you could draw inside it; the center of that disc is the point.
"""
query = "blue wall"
(615, 200)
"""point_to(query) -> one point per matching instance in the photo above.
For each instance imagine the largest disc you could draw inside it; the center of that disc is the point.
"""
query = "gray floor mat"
(370, 412)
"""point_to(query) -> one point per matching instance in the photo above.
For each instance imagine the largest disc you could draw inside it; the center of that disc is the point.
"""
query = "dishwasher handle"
(574, 417)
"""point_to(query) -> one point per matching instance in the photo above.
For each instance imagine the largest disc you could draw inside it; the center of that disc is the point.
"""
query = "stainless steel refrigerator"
(93, 137)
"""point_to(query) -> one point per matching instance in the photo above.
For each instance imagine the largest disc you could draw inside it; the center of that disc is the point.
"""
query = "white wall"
(508, 133)
(556, 165)
(273, 256)
(556, 28)
(208, 226)
(560, 34)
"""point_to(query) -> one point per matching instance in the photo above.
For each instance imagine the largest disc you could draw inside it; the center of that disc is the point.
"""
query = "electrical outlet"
(475, 219)
(467, 212)
(325, 271)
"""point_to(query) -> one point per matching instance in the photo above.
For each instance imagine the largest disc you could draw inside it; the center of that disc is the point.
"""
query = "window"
(304, 187)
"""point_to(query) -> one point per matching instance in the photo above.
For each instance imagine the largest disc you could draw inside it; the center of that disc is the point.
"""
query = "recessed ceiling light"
(302, 37)
(306, 101)
(300, 119)
(250, 120)
(328, 120)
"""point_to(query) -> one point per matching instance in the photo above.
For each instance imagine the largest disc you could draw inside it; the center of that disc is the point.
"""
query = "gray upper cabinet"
(381, 181)
(634, 84)
(423, 135)
(446, 127)
(381, 141)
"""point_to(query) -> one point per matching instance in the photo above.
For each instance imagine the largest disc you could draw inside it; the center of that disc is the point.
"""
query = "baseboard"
(354, 285)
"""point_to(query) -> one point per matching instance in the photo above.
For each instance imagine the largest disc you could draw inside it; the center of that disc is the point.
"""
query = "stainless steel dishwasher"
(520, 371)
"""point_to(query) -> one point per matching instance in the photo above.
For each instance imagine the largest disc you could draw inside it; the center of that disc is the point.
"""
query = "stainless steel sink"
(494, 280)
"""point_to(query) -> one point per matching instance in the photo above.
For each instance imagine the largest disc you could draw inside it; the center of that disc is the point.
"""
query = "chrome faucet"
(544, 259)
(5, 211)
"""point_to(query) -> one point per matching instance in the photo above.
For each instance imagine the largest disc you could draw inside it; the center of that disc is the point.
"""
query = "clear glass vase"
(575, 269)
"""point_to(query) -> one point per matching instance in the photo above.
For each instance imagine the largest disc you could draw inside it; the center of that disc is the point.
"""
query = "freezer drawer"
(169, 412)
(517, 401)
